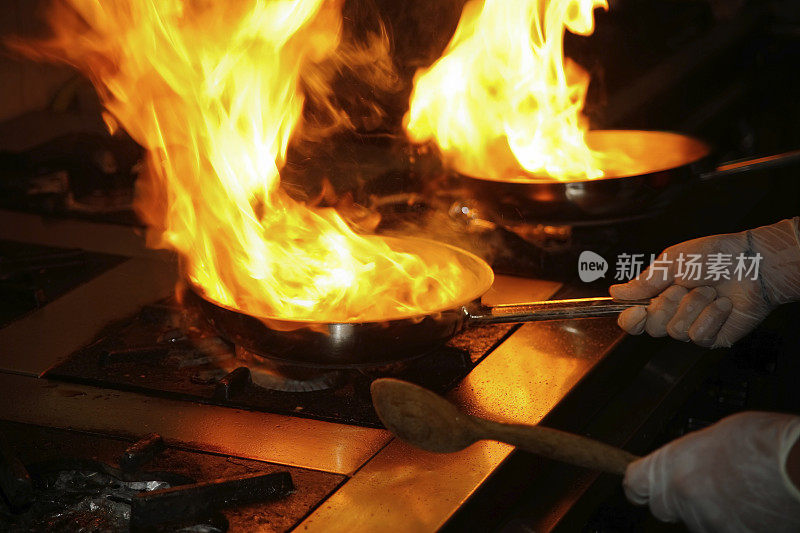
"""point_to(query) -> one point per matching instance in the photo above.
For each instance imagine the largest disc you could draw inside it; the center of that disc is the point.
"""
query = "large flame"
(502, 102)
(215, 91)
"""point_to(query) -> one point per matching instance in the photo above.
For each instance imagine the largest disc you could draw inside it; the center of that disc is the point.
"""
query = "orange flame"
(215, 91)
(502, 102)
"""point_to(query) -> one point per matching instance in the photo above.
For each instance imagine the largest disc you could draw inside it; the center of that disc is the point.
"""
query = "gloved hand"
(729, 477)
(715, 312)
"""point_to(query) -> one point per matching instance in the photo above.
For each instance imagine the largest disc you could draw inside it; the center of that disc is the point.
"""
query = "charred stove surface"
(79, 485)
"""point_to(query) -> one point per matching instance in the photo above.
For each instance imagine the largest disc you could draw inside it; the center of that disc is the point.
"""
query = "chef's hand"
(729, 477)
(715, 312)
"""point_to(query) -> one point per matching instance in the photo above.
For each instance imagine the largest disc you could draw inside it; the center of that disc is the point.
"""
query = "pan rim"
(484, 272)
(542, 181)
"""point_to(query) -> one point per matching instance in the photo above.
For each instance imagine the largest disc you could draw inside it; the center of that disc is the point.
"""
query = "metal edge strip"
(314, 444)
(59, 232)
(41, 339)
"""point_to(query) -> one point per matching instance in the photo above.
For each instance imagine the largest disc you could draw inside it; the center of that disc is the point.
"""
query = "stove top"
(169, 350)
(116, 357)
(116, 360)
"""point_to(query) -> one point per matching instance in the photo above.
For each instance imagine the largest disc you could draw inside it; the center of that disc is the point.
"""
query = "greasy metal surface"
(301, 442)
(426, 420)
(635, 415)
(39, 340)
(536, 367)
(403, 488)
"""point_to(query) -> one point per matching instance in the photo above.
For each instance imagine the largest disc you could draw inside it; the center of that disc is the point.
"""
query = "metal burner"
(276, 375)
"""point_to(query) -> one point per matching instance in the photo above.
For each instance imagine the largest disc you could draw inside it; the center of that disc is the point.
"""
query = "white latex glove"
(716, 313)
(729, 477)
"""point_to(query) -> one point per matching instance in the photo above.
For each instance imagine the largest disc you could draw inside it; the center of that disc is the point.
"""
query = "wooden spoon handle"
(560, 445)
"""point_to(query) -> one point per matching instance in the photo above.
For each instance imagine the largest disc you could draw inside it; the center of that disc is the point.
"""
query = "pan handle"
(551, 310)
(746, 165)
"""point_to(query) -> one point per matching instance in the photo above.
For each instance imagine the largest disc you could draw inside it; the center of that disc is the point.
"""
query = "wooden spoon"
(428, 421)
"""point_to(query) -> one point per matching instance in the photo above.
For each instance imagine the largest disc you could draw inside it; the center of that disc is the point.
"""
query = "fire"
(502, 102)
(216, 91)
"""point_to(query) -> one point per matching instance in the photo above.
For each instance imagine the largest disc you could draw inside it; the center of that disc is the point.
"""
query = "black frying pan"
(375, 342)
(664, 165)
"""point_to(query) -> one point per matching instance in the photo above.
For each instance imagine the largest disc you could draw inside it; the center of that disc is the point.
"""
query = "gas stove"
(114, 363)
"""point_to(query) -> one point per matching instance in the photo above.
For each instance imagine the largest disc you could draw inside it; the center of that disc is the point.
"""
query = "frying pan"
(664, 165)
(384, 341)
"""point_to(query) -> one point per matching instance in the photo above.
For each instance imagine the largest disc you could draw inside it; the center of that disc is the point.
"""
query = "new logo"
(591, 266)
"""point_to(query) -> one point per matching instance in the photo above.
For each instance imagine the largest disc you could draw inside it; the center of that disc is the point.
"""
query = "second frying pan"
(655, 167)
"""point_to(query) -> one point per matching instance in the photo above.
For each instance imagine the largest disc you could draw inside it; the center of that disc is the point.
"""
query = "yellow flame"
(215, 91)
(502, 102)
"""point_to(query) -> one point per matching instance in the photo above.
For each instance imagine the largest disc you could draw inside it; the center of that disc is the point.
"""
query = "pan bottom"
(300, 367)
